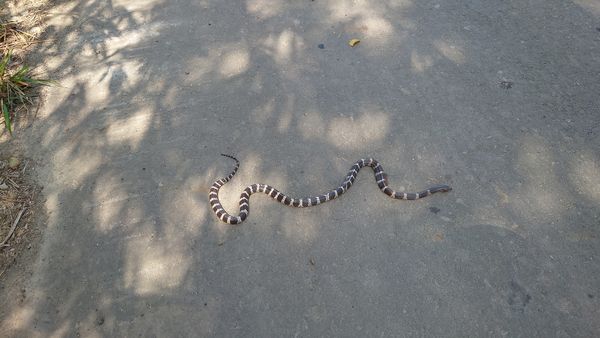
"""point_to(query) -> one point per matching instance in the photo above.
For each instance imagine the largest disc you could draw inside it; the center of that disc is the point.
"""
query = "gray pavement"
(497, 98)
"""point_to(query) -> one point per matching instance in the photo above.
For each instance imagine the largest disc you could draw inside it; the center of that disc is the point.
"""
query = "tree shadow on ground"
(152, 92)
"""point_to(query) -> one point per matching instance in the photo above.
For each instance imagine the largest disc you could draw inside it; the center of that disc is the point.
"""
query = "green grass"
(17, 84)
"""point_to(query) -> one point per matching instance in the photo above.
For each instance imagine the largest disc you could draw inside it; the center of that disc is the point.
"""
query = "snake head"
(440, 188)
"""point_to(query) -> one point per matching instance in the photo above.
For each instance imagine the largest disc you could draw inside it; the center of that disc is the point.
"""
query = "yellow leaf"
(353, 42)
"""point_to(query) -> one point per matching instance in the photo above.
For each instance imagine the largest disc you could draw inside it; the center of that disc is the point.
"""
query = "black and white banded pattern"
(380, 177)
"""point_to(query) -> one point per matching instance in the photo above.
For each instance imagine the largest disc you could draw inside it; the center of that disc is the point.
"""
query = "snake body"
(380, 177)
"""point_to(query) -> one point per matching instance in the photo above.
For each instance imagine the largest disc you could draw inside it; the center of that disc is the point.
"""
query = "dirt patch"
(18, 207)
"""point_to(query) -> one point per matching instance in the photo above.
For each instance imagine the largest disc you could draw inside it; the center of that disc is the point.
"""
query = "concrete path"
(499, 99)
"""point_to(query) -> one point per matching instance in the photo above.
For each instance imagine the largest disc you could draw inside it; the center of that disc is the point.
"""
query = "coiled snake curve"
(380, 177)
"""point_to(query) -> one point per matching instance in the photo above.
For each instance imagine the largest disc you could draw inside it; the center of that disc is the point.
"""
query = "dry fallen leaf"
(353, 42)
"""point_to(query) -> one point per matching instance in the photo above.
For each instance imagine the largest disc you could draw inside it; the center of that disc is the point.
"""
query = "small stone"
(506, 84)
(13, 162)
(321, 46)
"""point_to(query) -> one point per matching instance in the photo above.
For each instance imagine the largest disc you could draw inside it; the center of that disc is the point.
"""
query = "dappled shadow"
(152, 92)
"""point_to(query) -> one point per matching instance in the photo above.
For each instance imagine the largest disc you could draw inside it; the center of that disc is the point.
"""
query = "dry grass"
(13, 37)
(21, 25)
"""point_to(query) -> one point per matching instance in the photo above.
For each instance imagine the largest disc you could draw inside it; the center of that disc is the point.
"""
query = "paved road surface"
(497, 98)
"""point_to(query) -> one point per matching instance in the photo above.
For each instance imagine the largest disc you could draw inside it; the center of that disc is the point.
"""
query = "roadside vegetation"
(18, 82)
(21, 23)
